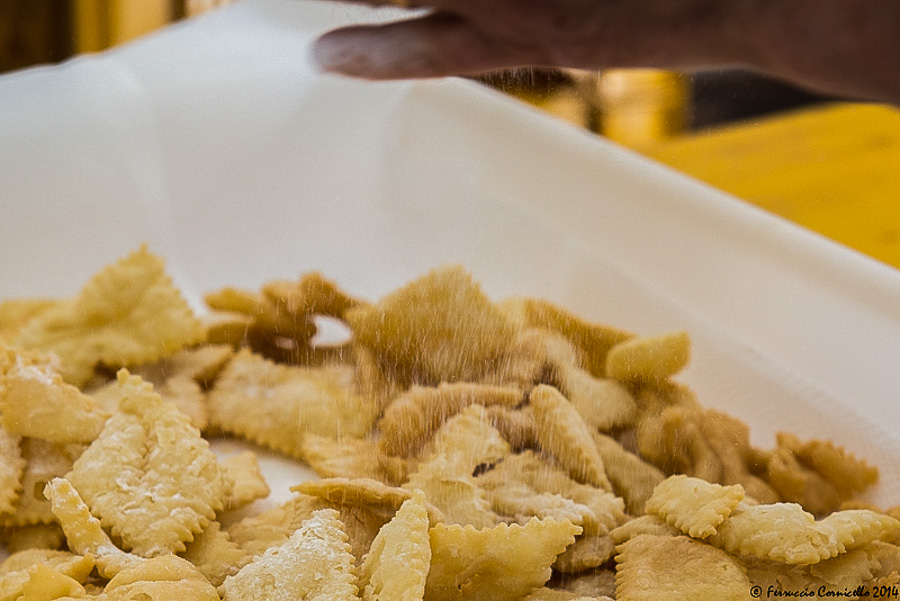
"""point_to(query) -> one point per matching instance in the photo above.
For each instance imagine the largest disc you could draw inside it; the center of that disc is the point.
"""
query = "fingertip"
(436, 45)
(327, 54)
(353, 52)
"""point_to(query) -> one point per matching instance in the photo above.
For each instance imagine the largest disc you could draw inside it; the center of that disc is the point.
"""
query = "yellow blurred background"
(830, 166)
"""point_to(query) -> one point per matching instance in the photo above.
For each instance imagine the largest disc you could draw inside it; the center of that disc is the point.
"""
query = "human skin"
(848, 48)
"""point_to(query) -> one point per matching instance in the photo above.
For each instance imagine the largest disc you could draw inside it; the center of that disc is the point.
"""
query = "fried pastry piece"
(781, 532)
(796, 483)
(36, 536)
(776, 576)
(362, 525)
(894, 538)
(816, 474)
(233, 300)
(454, 492)
(38, 582)
(42, 575)
(855, 528)
(848, 474)
(43, 462)
(226, 328)
(503, 563)
(694, 506)
(663, 568)
(829, 578)
(593, 340)
(673, 441)
(215, 555)
(12, 466)
(36, 402)
(188, 396)
(313, 294)
(645, 524)
(372, 380)
(729, 439)
(603, 402)
(686, 439)
(887, 554)
(314, 563)
(16, 312)
(516, 426)
(468, 440)
(84, 532)
(587, 552)
(521, 502)
(396, 469)
(365, 506)
(596, 584)
(355, 458)
(201, 364)
(166, 578)
(275, 405)
(247, 302)
(848, 570)
(279, 319)
(181, 391)
(74, 566)
(397, 563)
(343, 457)
(784, 532)
(385, 499)
(149, 476)
(859, 504)
(246, 481)
(652, 400)
(413, 417)
(649, 359)
(562, 432)
(183, 378)
(605, 510)
(632, 478)
(129, 313)
(439, 328)
(268, 327)
(270, 528)
(525, 363)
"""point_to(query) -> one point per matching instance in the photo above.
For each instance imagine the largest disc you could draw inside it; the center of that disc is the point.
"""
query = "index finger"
(455, 6)
(435, 45)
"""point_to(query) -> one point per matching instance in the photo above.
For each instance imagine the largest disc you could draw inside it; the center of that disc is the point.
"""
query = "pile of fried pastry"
(465, 449)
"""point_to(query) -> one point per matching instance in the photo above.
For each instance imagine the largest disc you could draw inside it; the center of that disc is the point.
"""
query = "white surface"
(215, 142)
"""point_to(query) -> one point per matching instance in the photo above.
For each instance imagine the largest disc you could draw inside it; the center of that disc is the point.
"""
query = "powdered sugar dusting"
(314, 564)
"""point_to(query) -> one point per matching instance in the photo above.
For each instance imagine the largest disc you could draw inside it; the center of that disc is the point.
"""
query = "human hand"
(841, 47)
